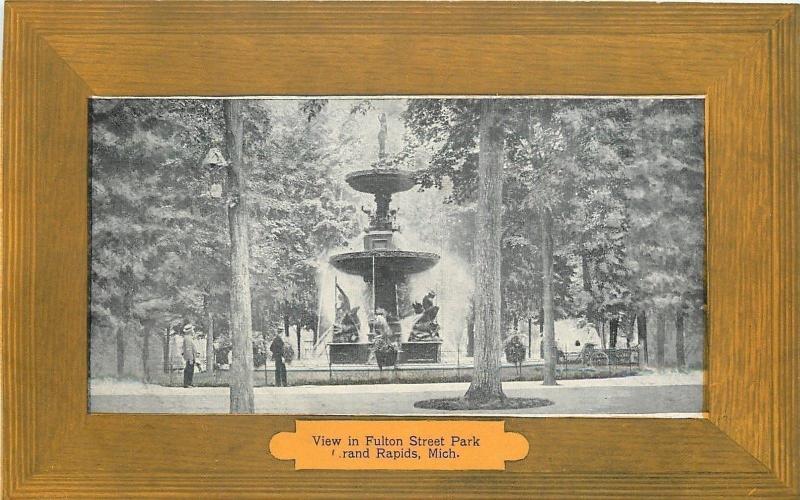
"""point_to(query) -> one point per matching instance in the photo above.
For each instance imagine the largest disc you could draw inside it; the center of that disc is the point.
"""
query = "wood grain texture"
(739, 266)
(785, 251)
(744, 58)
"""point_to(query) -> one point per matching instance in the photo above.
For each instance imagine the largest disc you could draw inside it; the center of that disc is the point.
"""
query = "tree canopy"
(618, 183)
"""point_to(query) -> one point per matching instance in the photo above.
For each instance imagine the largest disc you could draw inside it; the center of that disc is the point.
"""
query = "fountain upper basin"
(380, 180)
(399, 262)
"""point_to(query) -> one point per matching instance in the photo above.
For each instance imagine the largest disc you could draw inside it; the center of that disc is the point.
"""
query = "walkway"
(656, 395)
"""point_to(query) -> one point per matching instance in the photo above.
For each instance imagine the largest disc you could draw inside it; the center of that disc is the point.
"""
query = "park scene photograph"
(531, 256)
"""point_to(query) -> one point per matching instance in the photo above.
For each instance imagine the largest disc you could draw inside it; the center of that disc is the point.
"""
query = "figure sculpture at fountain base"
(346, 330)
(425, 328)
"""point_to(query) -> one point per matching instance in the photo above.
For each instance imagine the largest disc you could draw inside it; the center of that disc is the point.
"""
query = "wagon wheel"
(597, 359)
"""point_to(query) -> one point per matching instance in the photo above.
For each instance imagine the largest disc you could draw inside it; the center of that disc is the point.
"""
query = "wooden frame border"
(743, 57)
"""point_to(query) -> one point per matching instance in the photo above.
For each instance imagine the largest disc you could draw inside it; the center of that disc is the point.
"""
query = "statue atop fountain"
(382, 139)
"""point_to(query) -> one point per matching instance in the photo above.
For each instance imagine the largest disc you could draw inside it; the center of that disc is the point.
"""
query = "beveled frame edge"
(39, 79)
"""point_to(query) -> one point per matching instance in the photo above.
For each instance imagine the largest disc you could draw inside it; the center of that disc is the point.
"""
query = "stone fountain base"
(349, 353)
(421, 352)
(358, 353)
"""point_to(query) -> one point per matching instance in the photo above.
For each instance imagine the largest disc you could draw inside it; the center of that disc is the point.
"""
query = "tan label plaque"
(399, 444)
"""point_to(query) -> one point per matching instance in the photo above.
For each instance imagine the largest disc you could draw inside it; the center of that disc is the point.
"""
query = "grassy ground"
(457, 404)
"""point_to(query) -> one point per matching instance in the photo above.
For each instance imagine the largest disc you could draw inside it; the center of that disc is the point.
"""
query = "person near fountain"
(381, 325)
(276, 348)
(189, 354)
(384, 347)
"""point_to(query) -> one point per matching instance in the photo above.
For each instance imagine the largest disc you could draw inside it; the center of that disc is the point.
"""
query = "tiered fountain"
(385, 270)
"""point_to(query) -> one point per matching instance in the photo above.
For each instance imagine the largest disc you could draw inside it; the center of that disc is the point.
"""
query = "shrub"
(385, 352)
(515, 350)
(259, 352)
(288, 353)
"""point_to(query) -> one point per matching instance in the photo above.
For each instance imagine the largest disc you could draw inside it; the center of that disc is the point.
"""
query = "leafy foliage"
(623, 180)
(159, 228)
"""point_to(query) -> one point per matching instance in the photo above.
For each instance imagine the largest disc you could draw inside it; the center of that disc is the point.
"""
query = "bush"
(385, 352)
(259, 352)
(288, 353)
(515, 350)
(221, 350)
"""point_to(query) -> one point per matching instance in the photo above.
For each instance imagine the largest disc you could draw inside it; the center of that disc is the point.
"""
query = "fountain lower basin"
(399, 262)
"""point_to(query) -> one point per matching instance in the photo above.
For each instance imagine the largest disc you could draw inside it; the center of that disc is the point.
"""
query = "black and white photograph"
(398, 255)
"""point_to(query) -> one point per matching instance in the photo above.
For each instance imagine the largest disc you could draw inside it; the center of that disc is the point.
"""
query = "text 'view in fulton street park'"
(391, 256)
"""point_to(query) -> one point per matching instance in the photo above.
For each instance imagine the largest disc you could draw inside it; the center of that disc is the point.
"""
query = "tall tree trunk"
(550, 354)
(286, 320)
(641, 330)
(241, 380)
(299, 347)
(210, 354)
(471, 329)
(145, 353)
(486, 384)
(530, 337)
(602, 333)
(661, 335)
(541, 333)
(120, 352)
(680, 351)
(630, 324)
(586, 274)
(166, 350)
(613, 330)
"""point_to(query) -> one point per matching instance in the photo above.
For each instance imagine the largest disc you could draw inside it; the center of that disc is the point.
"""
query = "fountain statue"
(385, 270)
(382, 138)
(425, 328)
(345, 328)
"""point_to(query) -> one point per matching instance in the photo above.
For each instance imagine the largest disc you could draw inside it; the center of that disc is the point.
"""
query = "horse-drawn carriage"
(593, 357)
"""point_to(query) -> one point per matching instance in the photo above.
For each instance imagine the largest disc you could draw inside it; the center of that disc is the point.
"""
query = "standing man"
(276, 348)
(189, 354)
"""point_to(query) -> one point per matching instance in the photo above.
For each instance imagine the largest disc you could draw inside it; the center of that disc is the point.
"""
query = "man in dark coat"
(276, 348)
(189, 354)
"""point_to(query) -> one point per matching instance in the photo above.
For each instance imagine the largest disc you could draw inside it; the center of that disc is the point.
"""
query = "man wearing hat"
(276, 348)
(189, 354)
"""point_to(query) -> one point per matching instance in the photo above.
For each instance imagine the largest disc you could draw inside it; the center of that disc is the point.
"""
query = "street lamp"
(215, 160)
